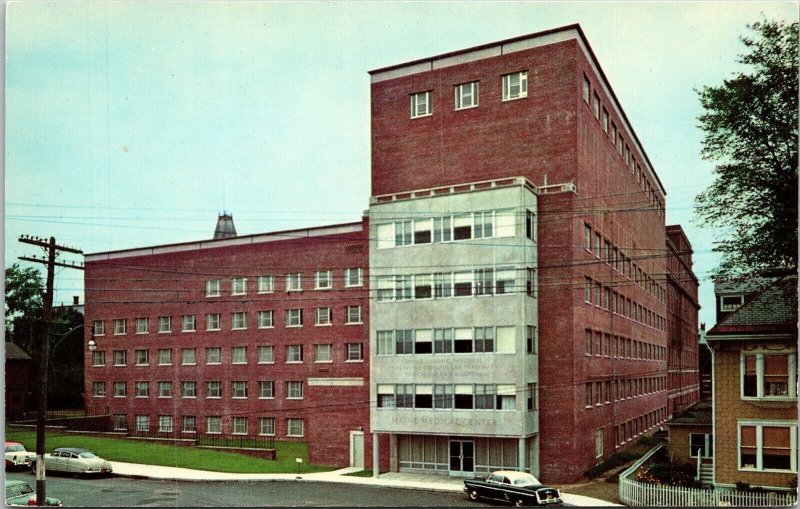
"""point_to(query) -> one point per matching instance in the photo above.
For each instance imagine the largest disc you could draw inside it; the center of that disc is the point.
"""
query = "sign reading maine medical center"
(457, 422)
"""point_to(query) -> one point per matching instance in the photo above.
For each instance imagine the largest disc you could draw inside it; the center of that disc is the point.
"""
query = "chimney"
(703, 326)
(225, 228)
(76, 300)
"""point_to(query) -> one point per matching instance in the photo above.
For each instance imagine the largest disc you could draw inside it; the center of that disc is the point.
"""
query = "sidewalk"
(387, 480)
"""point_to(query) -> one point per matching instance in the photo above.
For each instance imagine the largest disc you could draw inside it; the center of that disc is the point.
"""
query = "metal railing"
(236, 441)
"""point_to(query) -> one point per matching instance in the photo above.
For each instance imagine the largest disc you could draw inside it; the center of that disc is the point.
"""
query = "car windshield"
(525, 481)
(25, 489)
(14, 448)
(88, 454)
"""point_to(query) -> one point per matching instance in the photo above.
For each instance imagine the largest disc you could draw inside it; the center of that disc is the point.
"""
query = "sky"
(132, 124)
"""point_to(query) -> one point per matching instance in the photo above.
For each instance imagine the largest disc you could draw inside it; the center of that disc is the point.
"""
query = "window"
(532, 339)
(530, 225)
(596, 106)
(238, 286)
(768, 446)
(421, 104)
(354, 352)
(142, 326)
(598, 443)
(294, 427)
(403, 287)
(443, 340)
(266, 426)
(404, 396)
(294, 317)
(98, 358)
(506, 397)
(385, 235)
(443, 396)
(605, 120)
(164, 324)
(323, 353)
(386, 397)
(266, 319)
(188, 323)
(188, 356)
(189, 389)
(466, 95)
(120, 389)
(385, 342)
(404, 341)
(98, 328)
(463, 398)
(462, 284)
(294, 353)
(585, 90)
(266, 284)
(505, 339)
(422, 286)
(442, 229)
(588, 392)
(484, 339)
(294, 282)
(423, 341)
(266, 354)
(238, 320)
(322, 316)
(189, 424)
(119, 327)
(515, 85)
(462, 227)
(239, 425)
(214, 425)
(212, 321)
(238, 389)
(266, 389)
(353, 277)
(323, 280)
(120, 422)
(443, 285)
(462, 341)
(731, 302)
(423, 396)
(142, 357)
(769, 375)
(504, 280)
(239, 355)
(702, 443)
(402, 233)
(213, 355)
(164, 356)
(142, 423)
(533, 397)
(294, 390)
(213, 288)
(422, 231)
(164, 389)
(531, 282)
(484, 281)
(213, 389)
(99, 389)
(142, 389)
(120, 357)
(385, 286)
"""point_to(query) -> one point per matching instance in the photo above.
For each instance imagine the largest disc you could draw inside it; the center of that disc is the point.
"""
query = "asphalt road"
(125, 492)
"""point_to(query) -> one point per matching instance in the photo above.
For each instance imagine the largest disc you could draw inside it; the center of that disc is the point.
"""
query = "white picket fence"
(635, 493)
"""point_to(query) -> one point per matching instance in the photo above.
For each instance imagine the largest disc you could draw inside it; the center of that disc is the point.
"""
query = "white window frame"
(349, 316)
(216, 428)
(294, 389)
(141, 389)
(319, 349)
(323, 280)
(266, 284)
(99, 358)
(270, 357)
(239, 320)
(142, 422)
(236, 421)
(239, 286)
(759, 354)
(185, 393)
(183, 356)
(219, 355)
(262, 386)
(290, 421)
(213, 317)
(416, 111)
(142, 325)
(188, 327)
(726, 308)
(294, 282)
(98, 328)
(238, 387)
(463, 91)
(239, 355)
(164, 320)
(323, 317)
(98, 389)
(292, 320)
(792, 425)
(189, 424)
(263, 322)
(523, 86)
(213, 288)
(164, 390)
(354, 354)
(294, 352)
(120, 326)
(124, 358)
(218, 385)
(120, 393)
(348, 277)
(268, 423)
(136, 358)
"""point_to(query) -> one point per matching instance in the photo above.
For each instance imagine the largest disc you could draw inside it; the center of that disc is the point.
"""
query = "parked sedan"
(17, 456)
(75, 461)
(21, 493)
(518, 488)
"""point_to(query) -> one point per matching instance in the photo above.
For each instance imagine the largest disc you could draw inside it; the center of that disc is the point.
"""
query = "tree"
(24, 304)
(750, 128)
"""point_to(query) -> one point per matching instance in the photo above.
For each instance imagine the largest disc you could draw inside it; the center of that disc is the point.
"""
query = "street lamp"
(92, 344)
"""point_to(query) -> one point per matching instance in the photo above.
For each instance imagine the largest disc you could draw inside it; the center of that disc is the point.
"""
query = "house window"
(266, 319)
(99, 389)
(238, 389)
(142, 423)
(164, 324)
(466, 95)
(213, 389)
(294, 282)
(294, 390)
(189, 424)
(731, 302)
(421, 104)
(266, 426)
(164, 356)
(354, 352)
(120, 389)
(768, 446)
(294, 427)
(294, 317)
(98, 358)
(768, 375)
(238, 320)
(120, 422)
(322, 353)
(323, 280)
(294, 353)
(188, 323)
(142, 326)
(142, 357)
(322, 316)
(164, 389)
(585, 90)
(213, 288)
(353, 277)
(266, 284)
(238, 286)
(353, 314)
(239, 355)
(239, 425)
(189, 389)
(120, 357)
(702, 443)
(212, 321)
(214, 424)
(188, 356)
(213, 355)
(531, 282)
(142, 389)
(515, 85)
(119, 327)
(266, 389)
(266, 354)
(98, 328)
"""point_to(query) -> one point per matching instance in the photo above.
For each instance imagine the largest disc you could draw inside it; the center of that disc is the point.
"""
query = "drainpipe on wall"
(713, 414)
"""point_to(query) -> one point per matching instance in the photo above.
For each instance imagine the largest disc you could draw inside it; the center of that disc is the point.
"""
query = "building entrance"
(462, 458)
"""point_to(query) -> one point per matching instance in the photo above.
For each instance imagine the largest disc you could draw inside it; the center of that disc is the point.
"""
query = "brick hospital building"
(503, 303)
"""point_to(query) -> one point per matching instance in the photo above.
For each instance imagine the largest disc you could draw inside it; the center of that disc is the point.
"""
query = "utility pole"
(51, 251)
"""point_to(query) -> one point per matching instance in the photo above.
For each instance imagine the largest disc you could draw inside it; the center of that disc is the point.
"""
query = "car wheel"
(519, 503)
(473, 495)
(33, 467)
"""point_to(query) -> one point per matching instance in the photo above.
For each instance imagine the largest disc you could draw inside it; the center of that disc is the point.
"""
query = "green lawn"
(161, 453)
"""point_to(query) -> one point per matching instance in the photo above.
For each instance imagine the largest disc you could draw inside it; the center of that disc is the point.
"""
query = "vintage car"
(17, 456)
(21, 493)
(518, 488)
(74, 461)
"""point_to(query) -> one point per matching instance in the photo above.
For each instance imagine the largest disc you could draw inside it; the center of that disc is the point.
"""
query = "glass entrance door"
(462, 458)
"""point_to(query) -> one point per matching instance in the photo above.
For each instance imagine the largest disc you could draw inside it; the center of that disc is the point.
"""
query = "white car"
(17, 456)
(74, 461)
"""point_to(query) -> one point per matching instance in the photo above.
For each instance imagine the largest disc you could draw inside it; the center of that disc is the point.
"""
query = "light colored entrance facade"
(453, 327)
